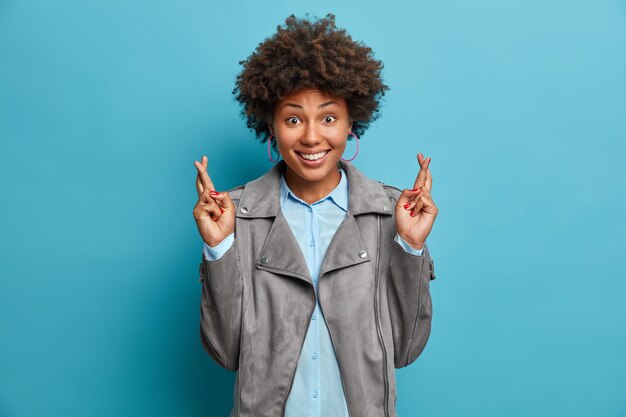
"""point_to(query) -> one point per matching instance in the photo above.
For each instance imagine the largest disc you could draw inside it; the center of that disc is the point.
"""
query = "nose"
(311, 136)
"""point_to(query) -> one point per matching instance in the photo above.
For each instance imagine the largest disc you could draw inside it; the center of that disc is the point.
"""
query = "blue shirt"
(317, 388)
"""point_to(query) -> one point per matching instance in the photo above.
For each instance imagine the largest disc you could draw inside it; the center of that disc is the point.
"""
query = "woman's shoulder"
(392, 192)
(235, 192)
(371, 184)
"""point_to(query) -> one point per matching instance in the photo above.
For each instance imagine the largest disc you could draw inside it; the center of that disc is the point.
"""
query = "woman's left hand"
(415, 209)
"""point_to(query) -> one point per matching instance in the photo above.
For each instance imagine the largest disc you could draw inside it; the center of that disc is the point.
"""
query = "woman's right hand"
(214, 212)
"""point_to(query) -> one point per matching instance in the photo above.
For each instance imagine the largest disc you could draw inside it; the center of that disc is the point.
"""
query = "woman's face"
(311, 129)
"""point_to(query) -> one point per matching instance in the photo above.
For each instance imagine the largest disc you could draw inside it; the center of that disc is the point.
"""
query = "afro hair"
(309, 54)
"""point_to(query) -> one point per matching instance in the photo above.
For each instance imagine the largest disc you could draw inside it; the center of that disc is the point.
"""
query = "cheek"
(338, 142)
(286, 140)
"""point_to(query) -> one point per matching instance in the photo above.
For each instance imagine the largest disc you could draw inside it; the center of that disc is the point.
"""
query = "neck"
(311, 191)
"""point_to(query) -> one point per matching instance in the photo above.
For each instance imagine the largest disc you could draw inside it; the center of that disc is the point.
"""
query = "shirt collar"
(260, 198)
(339, 195)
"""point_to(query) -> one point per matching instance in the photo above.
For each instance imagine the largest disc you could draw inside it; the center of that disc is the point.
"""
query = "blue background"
(104, 106)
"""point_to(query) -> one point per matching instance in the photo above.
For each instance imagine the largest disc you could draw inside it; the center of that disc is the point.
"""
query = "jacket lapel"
(281, 253)
(346, 248)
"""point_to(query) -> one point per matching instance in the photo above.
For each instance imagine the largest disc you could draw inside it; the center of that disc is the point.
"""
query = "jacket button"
(362, 254)
(386, 208)
(244, 210)
(264, 260)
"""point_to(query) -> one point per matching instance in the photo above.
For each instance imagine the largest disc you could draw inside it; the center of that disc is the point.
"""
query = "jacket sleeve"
(220, 307)
(410, 306)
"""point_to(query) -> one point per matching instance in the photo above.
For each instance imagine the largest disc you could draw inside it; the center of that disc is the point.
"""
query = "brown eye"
(329, 119)
(292, 120)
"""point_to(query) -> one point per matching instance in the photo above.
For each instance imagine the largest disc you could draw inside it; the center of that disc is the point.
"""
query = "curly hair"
(309, 54)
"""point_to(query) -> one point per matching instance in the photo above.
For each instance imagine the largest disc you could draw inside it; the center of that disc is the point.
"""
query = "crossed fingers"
(205, 187)
(424, 178)
(202, 179)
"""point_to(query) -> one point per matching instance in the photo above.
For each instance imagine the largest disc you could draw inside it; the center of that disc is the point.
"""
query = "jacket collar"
(338, 196)
(261, 197)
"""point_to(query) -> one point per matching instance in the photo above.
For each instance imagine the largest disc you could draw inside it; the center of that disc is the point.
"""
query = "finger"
(429, 179)
(410, 205)
(224, 200)
(418, 206)
(204, 209)
(429, 205)
(199, 182)
(413, 198)
(203, 163)
(420, 159)
(407, 196)
(421, 175)
(204, 175)
(199, 187)
(213, 210)
(207, 198)
(215, 196)
(425, 204)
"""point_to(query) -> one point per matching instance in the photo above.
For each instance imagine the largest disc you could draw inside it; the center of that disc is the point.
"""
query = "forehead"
(311, 97)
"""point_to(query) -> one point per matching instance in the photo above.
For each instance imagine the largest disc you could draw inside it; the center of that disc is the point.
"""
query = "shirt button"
(314, 316)
(312, 243)
(309, 209)
(315, 356)
(315, 394)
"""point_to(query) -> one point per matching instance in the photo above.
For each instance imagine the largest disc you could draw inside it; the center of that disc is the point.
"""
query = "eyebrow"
(319, 107)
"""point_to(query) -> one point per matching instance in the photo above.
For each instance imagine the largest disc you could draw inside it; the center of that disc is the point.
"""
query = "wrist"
(416, 244)
(213, 243)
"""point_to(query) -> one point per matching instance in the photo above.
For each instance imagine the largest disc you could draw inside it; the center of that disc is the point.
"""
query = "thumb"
(224, 198)
(407, 196)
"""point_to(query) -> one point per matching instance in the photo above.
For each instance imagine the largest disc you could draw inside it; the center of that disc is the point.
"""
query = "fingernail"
(429, 159)
(412, 214)
(415, 189)
(421, 154)
(406, 206)
(214, 193)
(221, 210)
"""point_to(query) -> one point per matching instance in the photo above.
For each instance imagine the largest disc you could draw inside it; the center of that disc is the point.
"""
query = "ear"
(350, 127)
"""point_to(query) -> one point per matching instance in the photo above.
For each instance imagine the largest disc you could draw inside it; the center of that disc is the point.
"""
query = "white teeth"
(313, 156)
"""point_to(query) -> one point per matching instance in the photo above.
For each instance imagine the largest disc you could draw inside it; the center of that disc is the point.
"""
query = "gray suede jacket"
(257, 299)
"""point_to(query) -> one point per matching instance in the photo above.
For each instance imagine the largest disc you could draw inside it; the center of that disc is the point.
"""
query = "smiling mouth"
(312, 156)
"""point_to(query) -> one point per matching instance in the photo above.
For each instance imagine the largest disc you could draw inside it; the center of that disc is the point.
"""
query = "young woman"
(315, 278)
